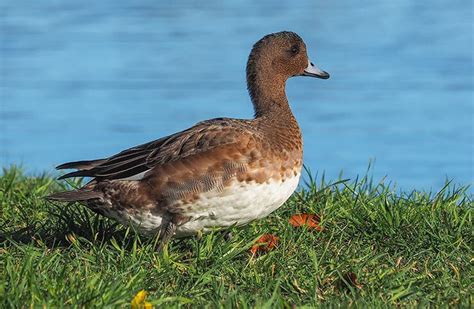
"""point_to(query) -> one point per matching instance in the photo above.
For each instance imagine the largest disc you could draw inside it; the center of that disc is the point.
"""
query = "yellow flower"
(147, 305)
(138, 302)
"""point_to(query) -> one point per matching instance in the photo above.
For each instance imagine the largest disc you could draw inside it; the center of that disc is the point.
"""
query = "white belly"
(237, 204)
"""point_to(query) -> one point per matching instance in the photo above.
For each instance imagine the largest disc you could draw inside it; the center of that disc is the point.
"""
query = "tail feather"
(74, 196)
(80, 165)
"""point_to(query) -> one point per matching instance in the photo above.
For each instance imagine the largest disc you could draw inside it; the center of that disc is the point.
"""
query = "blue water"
(86, 79)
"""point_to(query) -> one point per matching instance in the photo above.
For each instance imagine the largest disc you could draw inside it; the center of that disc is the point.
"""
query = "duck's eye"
(295, 49)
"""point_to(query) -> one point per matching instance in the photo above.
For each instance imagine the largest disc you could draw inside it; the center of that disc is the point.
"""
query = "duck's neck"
(267, 91)
(272, 111)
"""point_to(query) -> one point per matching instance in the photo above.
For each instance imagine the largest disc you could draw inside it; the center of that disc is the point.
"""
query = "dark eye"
(295, 50)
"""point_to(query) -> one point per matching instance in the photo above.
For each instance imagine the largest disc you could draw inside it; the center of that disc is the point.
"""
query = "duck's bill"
(314, 71)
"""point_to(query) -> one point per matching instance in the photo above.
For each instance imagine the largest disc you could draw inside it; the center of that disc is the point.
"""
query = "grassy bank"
(375, 248)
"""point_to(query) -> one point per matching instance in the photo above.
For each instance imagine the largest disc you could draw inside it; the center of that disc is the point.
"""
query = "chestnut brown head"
(282, 54)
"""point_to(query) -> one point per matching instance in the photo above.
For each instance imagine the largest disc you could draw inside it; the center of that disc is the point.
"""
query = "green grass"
(404, 248)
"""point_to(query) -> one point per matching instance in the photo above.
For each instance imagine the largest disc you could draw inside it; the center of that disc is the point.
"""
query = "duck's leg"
(166, 233)
(168, 229)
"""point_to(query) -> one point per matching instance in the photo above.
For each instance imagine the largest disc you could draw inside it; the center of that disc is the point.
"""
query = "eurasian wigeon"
(218, 173)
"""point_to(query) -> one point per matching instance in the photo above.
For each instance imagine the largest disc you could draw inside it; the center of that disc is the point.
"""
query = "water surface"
(87, 79)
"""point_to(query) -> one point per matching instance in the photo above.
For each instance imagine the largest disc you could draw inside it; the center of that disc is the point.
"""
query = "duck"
(219, 173)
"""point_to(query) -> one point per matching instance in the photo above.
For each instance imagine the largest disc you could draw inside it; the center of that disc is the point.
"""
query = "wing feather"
(200, 138)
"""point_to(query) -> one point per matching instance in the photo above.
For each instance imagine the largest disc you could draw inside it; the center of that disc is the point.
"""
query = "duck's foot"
(228, 235)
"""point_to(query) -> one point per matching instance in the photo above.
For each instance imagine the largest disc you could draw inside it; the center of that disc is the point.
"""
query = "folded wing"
(136, 161)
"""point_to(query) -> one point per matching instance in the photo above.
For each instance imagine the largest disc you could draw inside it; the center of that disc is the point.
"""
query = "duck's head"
(273, 59)
(282, 55)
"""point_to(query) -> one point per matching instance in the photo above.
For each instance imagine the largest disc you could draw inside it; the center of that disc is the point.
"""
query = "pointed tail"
(81, 165)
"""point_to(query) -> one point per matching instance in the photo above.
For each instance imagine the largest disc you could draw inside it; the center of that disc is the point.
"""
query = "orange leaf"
(309, 220)
(265, 243)
(352, 280)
